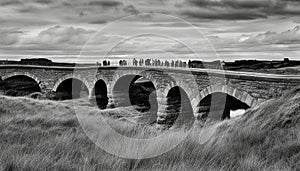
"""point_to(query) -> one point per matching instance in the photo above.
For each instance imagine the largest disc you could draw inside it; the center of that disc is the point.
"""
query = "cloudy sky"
(64, 30)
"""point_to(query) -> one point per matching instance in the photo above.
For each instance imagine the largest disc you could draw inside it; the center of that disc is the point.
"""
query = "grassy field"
(46, 135)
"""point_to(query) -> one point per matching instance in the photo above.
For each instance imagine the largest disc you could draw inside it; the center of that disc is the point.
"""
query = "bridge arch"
(65, 83)
(70, 76)
(242, 96)
(20, 83)
(27, 74)
(221, 100)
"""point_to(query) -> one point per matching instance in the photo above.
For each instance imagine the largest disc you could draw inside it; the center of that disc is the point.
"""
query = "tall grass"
(46, 135)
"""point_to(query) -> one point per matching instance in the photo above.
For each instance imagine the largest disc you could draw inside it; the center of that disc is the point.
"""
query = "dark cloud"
(44, 2)
(105, 3)
(203, 3)
(20, 2)
(243, 4)
(10, 2)
(169, 24)
(224, 15)
(240, 9)
(98, 22)
(248, 4)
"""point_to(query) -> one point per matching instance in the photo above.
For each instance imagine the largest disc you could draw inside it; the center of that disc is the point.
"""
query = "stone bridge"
(195, 84)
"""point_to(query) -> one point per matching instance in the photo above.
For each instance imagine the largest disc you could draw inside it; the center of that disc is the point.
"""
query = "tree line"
(164, 63)
(157, 62)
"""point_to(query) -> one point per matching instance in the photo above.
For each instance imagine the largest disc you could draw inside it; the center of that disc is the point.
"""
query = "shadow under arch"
(99, 94)
(179, 111)
(71, 88)
(218, 106)
(19, 84)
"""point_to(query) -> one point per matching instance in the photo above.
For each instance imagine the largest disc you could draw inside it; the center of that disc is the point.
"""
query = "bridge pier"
(111, 101)
(161, 112)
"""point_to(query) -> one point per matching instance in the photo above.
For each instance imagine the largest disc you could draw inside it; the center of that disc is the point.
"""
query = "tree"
(180, 63)
(148, 62)
(124, 62)
(190, 63)
(104, 63)
(134, 62)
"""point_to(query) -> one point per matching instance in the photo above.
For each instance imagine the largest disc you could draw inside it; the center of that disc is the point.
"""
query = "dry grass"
(46, 135)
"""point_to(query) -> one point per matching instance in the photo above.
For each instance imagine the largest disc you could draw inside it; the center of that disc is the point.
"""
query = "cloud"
(240, 4)
(131, 9)
(105, 3)
(109, 10)
(9, 37)
(68, 11)
(98, 21)
(203, 3)
(287, 37)
(222, 14)
(240, 9)
(59, 35)
(10, 2)
(26, 2)
(44, 1)
(248, 4)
